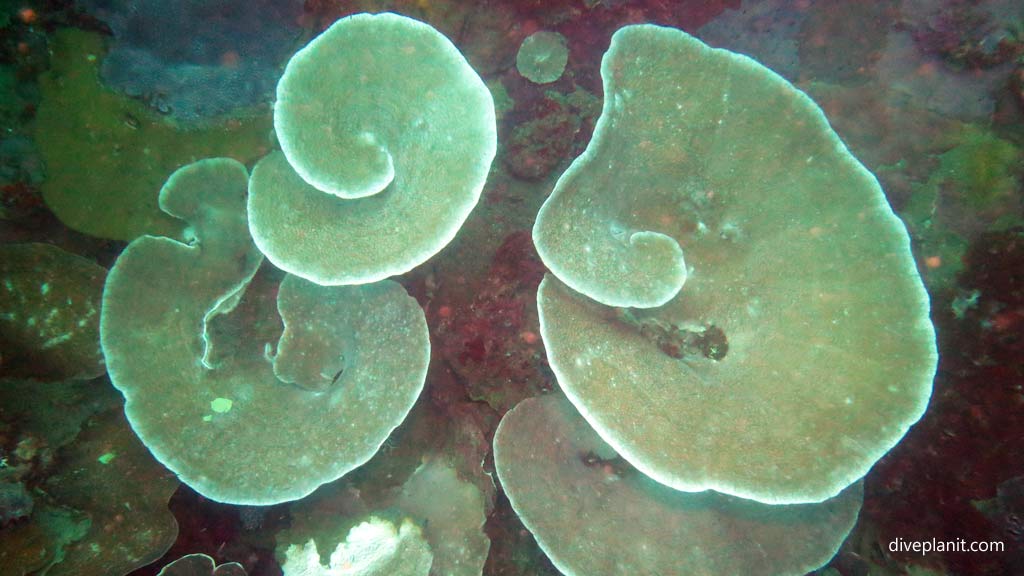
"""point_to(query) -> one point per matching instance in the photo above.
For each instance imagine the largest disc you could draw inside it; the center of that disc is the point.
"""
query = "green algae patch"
(387, 136)
(593, 513)
(973, 188)
(107, 155)
(793, 347)
(349, 365)
(932, 224)
(49, 313)
(503, 102)
(221, 405)
(984, 167)
(542, 57)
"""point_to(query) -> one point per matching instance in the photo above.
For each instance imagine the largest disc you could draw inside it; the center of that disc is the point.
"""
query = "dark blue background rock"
(197, 59)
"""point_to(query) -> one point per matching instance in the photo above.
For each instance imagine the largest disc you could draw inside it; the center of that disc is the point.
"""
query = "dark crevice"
(681, 343)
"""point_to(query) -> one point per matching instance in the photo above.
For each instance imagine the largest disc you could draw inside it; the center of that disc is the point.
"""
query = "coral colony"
(740, 371)
(732, 312)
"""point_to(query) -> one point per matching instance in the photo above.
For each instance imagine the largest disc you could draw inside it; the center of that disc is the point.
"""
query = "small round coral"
(542, 57)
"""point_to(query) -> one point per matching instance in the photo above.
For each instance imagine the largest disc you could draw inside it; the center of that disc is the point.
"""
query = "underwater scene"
(512, 287)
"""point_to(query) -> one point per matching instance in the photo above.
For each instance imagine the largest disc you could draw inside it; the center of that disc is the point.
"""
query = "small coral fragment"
(374, 548)
(542, 57)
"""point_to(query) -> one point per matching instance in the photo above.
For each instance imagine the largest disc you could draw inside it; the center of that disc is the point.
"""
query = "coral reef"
(970, 441)
(493, 344)
(544, 131)
(434, 516)
(967, 35)
(927, 94)
(374, 548)
(767, 31)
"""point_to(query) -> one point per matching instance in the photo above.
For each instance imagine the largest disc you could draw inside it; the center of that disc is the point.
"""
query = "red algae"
(971, 439)
(541, 138)
(481, 340)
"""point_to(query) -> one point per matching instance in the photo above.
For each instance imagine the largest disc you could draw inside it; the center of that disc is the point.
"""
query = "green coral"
(107, 155)
(49, 313)
(983, 166)
(102, 472)
(973, 188)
